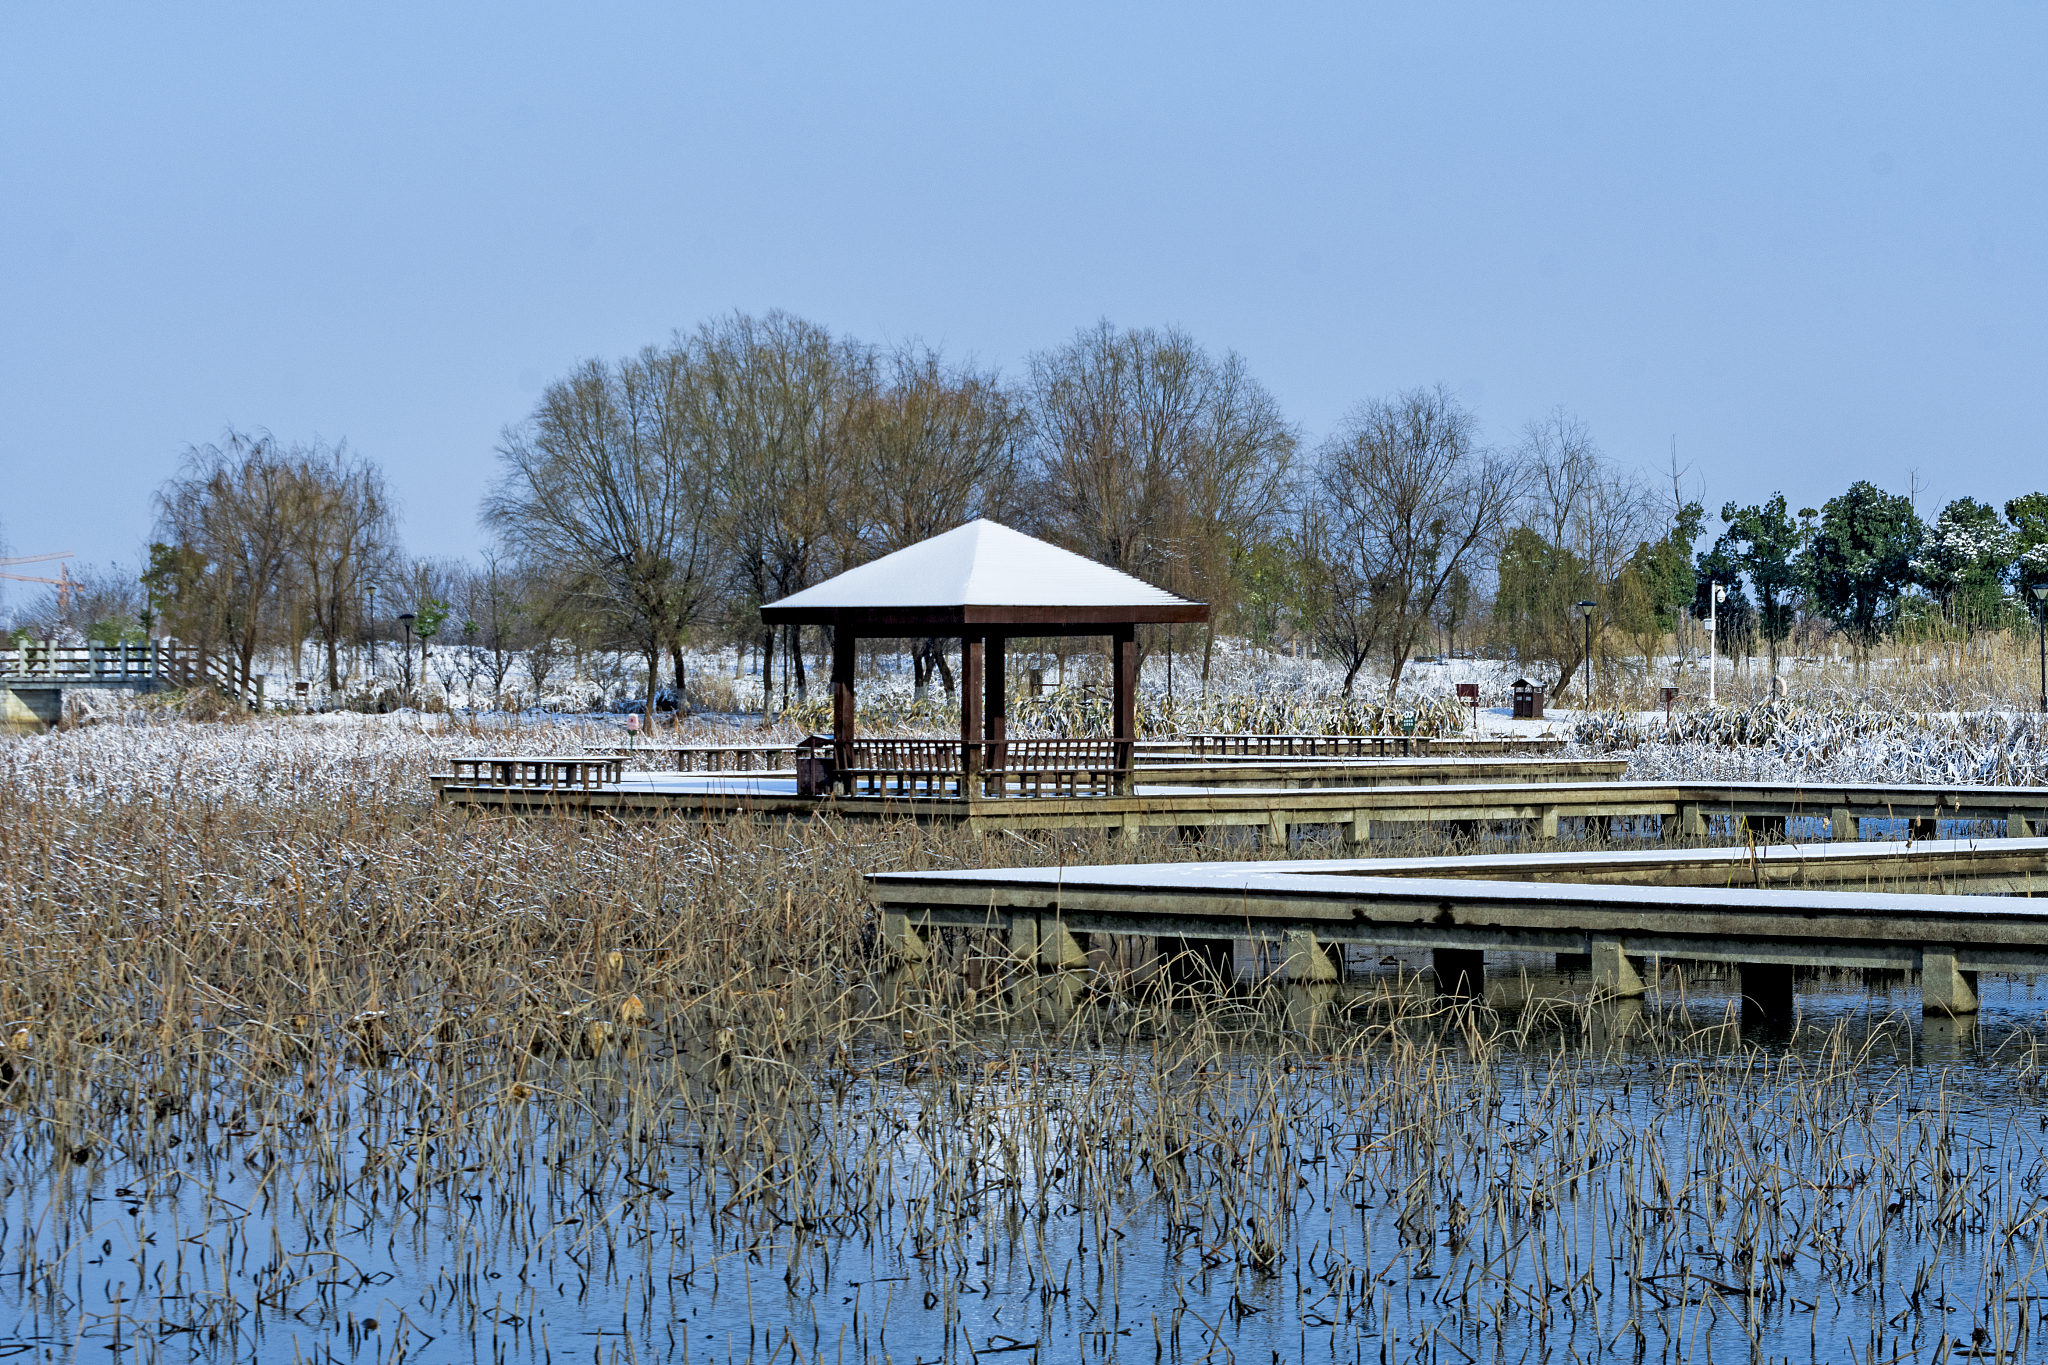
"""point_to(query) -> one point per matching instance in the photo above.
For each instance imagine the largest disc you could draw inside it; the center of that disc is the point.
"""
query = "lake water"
(1332, 1173)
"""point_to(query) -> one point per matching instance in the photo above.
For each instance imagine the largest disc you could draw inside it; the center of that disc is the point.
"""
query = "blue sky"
(1808, 241)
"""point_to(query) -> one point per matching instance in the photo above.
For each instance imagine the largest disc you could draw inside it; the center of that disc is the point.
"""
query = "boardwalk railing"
(587, 771)
(1032, 767)
(1334, 746)
(708, 758)
(126, 664)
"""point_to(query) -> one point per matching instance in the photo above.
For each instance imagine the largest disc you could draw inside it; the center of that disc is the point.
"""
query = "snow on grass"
(1859, 742)
(310, 760)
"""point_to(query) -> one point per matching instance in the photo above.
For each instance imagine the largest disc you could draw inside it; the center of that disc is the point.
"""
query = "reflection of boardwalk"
(1622, 929)
(1352, 812)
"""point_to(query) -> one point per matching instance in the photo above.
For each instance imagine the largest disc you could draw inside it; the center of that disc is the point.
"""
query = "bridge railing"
(126, 663)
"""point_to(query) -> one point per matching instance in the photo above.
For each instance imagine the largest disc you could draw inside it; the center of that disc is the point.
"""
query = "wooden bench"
(587, 771)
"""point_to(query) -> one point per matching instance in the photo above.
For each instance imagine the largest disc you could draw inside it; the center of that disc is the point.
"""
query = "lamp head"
(2041, 592)
(1586, 608)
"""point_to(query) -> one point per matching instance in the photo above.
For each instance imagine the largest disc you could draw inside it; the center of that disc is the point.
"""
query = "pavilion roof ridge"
(984, 572)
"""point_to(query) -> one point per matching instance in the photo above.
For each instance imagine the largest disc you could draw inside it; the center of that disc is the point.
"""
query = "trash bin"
(1528, 700)
(815, 765)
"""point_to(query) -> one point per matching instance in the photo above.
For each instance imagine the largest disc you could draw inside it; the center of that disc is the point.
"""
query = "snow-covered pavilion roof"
(983, 574)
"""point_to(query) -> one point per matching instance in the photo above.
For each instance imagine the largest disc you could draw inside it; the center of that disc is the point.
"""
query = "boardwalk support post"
(1614, 976)
(1841, 825)
(1460, 973)
(901, 939)
(1766, 993)
(1046, 941)
(1309, 961)
(2017, 826)
(1944, 987)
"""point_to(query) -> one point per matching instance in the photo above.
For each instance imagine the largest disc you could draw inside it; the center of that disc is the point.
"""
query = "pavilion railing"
(942, 767)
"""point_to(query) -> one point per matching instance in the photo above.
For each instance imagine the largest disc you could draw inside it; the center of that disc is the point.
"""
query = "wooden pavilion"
(985, 584)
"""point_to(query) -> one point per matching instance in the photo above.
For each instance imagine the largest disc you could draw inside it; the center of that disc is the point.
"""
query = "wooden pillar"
(842, 703)
(995, 719)
(1124, 697)
(970, 712)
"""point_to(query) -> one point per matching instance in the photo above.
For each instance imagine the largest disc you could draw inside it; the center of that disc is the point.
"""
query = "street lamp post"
(1586, 610)
(2041, 614)
(1715, 592)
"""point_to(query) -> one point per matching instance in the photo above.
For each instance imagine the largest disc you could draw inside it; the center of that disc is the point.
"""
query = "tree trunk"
(675, 657)
(1208, 652)
(653, 657)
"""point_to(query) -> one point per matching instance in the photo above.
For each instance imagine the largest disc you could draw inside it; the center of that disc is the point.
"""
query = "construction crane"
(63, 582)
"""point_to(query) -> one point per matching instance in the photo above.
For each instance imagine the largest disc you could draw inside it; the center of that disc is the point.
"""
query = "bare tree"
(1410, 504)
(102, 604)
(932, 446)
(774, 407)
(610, 480)
(230, 511)
(343, 537)
(1155, 458)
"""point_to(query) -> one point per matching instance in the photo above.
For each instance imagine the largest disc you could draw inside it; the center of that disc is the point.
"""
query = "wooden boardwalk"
(1637, 917)
(1676, 810)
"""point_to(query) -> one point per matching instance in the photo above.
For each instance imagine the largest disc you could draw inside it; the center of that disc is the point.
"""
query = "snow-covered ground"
(1833, 728)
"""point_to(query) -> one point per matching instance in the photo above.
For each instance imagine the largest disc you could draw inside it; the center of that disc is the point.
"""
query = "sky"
(1806, 243)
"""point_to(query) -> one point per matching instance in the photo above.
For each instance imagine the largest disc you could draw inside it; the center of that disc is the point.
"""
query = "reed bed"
(306, 1069)
(1844, 741)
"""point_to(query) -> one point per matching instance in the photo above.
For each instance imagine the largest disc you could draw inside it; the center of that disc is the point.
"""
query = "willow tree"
(343, 537)
(1576, 533)
(227, 518)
